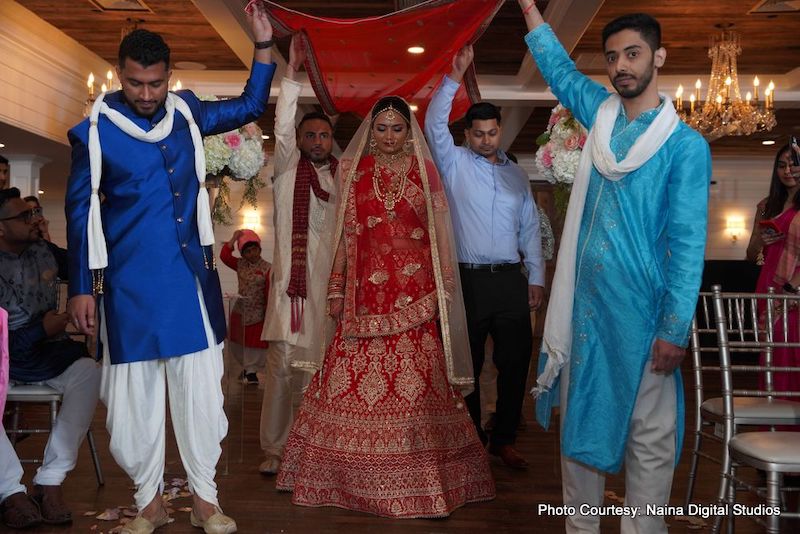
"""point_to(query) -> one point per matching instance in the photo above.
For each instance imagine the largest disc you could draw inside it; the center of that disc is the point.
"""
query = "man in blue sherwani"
(628, 275)
(146, 254)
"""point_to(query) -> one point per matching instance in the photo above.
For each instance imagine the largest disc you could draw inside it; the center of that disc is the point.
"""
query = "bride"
(383, 427)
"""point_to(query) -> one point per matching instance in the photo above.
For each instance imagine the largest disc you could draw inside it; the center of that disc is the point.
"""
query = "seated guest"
(44, 224)
(41, 352)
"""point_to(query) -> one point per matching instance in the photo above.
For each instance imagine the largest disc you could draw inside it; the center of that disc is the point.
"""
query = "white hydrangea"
(560, 131)
(247, 160)
(218, 154)
(565, 165)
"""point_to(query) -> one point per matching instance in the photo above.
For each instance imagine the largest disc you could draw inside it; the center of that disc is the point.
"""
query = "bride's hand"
(335, 308)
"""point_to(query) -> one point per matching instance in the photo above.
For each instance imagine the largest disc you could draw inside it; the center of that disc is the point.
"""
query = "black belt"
(493, 267)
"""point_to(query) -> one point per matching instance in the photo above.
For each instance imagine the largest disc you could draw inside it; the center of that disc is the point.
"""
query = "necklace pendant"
(388, 204)
(391, 215)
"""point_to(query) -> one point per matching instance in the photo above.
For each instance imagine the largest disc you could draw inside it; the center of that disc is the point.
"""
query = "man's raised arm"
(437, 129)
(286, 110)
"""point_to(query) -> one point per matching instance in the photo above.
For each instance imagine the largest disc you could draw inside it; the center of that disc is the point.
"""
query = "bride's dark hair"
(392, 102)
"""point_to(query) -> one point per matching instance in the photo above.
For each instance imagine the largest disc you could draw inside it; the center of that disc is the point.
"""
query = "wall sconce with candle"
(251, 219)
(734, 227)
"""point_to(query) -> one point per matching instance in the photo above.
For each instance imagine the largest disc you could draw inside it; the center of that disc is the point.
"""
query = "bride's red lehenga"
(381, 429)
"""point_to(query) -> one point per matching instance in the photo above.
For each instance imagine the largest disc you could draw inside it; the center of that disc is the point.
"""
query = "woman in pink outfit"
(775, 241)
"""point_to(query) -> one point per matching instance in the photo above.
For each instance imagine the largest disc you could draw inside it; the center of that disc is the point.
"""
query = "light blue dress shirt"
(494, 216)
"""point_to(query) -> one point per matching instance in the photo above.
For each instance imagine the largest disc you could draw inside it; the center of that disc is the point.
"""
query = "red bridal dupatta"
(353, 62)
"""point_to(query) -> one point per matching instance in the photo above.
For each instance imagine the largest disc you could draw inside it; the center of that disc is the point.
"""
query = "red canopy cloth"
(353, 62)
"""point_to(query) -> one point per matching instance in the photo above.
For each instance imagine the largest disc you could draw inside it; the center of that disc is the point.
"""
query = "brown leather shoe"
(51, 503)
(509, 455)
(19, 511)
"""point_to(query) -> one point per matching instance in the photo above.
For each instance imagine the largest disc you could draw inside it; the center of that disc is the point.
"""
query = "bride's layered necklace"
(396, 166)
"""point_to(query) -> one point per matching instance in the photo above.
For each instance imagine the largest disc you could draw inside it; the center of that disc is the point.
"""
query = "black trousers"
(497, 303)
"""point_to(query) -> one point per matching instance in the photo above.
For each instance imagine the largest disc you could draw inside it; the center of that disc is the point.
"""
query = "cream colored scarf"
(557, 341)
(98, 253)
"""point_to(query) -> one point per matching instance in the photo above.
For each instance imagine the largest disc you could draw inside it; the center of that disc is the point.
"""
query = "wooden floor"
(252, 500)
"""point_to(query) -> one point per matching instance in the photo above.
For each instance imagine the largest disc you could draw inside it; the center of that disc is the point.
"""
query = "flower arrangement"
(559, 154)
(237, 155)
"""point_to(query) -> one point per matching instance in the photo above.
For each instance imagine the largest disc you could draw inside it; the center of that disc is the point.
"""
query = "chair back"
(760, 324)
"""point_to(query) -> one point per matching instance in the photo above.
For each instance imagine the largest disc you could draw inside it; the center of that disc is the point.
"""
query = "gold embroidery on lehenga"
(417, 233)
(402, 301)
(373, 221)
(390, 362)
(376, 348)
(339, 381)
(409, 384)
(372, 387)
(404, 345)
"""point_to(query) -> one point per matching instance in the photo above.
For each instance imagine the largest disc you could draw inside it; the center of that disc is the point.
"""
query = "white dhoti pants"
(79, 385)
(283, 393)
(135, 396)
(649, 460)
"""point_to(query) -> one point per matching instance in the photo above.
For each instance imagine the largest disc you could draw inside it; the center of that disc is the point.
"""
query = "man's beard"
(639, 88)
(317, 160)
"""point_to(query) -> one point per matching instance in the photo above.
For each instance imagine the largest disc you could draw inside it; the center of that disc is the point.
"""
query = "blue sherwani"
(149, 214)
(640, 260)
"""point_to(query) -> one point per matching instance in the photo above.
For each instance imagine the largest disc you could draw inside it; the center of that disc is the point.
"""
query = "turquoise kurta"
(640, 261)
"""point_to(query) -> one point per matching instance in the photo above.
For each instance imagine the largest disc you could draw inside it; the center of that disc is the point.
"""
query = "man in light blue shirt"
(497, 230)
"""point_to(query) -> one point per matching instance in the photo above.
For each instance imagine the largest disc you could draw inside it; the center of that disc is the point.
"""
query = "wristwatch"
(261, 45)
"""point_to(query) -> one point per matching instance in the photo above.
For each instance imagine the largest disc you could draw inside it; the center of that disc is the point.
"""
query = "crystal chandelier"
(724, 112)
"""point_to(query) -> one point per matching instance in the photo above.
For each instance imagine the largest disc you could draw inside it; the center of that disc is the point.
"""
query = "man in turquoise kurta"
(638, 266)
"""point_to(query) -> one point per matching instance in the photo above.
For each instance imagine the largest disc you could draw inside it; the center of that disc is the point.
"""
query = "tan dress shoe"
(140, 525)
(218, 523)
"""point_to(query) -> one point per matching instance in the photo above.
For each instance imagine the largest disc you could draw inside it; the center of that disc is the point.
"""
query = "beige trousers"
(649, 461)
(283, 393)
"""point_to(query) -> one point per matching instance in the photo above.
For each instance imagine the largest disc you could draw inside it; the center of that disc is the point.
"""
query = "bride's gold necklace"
(392, 195)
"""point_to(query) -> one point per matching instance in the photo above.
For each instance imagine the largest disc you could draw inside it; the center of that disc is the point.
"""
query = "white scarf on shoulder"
(557, 342)
(98, 253)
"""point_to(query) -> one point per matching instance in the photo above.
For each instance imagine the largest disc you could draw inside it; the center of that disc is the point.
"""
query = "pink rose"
(572, 142)
(233, 140)
(547, 157)
(582, 140)
(553, 119)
